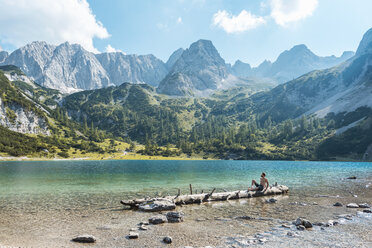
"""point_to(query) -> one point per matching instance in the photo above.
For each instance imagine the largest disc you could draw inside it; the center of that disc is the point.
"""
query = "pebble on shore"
(167, 240)
(85, 238)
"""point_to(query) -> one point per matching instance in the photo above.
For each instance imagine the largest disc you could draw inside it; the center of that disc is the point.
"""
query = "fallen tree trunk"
(208, 197)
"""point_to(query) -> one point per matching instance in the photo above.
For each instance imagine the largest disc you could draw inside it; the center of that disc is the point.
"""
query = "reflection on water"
(96, 184)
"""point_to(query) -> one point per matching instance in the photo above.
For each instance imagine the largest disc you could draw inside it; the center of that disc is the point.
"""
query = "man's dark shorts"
(259, 186)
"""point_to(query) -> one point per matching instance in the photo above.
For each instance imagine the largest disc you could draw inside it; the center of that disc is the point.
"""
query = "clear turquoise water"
(52, 200)
(128, 178)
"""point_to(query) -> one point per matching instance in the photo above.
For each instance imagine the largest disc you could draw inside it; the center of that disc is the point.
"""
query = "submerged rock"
(319, 224)
(345, 216)
(286, 226)
(352, 177)
(338, 204)
(367, 211)
(271, 200)
(352, 205)
(301, 228)
(158, 219)
(175, 217)
(303, 222)
(292, 234)
(332, 223)
(167, 240)
(307, 224)
(85, 238)
(157, 205)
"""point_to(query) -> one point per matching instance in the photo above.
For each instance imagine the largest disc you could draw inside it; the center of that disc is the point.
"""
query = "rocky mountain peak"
(365, 46)
(3, 56)
(199, 68)
(174, 57)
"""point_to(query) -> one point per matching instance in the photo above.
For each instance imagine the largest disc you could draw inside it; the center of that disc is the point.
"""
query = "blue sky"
(249, 30)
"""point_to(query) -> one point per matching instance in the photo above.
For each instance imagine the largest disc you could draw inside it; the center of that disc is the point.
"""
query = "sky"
(249, 30)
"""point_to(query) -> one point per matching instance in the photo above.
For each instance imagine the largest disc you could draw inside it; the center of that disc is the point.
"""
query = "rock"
(364, 205)
(245, 217)
(143, 223)
(301, 228)
(332, 223)
(307, 224)
(143, 228)
(345, 216)
(133, 235)
(158, 219)
(85, 238)
(367, 211)
(157, 205)
(167, 240)
(338, 204)
(352, 177)
(319, 224)
(298, 222)
(352, 205)
(292, 234)
(286, 226)
(262, 240)
(175, 217)
(133, 229)
(303, 222)
(271, 200)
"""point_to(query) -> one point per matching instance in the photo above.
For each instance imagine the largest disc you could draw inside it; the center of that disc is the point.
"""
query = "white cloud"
(179, 20)
(57, 21)
(236, 24)
(110, 49)
(287, 11)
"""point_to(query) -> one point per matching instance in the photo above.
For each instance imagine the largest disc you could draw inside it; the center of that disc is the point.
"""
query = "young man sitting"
(264, 184)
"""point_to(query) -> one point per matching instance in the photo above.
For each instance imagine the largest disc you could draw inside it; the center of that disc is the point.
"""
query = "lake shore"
(44, 216)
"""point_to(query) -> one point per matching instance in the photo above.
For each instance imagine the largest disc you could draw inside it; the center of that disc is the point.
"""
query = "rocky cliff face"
(70, 68)
(3, 56)
(32, 59)
(16, 118)
(122, 68)
(199, 68)
(174, 57)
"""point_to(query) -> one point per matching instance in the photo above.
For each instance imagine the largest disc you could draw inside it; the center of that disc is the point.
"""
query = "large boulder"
(85, 238)
(156, 205)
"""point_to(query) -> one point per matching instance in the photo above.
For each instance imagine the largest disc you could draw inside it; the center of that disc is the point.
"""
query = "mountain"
(122, 68)
(174, 57)
(199, 68)
(18, 112)
(290, 64)
(365, 46)
(342, 88)
(3, 56)
(70, 68)
(241, 69)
